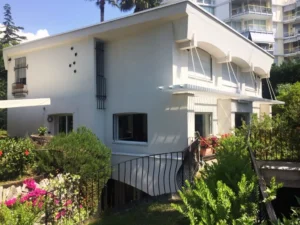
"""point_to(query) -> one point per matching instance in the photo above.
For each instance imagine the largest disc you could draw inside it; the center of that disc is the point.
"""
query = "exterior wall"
(49, 76)
(141, 63)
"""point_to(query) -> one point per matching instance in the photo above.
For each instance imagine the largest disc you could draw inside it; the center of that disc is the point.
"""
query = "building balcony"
(19, 89)
(206, 2)
(291, 18)
(251, 12)
(291, 51)
(289, 37)
(257, 28)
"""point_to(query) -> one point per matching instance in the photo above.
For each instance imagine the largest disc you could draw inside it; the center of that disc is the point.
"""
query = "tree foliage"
(10, 33)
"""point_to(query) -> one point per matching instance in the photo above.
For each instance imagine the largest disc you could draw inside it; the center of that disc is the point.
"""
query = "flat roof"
(170, 4)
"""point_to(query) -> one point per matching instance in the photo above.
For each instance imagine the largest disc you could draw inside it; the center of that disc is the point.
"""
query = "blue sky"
(56, 16)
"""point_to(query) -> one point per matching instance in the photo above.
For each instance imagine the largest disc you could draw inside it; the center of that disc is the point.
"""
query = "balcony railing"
(252, 9)
(19, 88)
(291, 50)
(291, 16)
(257, 28)
(206, 2)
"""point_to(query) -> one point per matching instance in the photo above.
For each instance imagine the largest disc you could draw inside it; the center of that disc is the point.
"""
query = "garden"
(69, 173)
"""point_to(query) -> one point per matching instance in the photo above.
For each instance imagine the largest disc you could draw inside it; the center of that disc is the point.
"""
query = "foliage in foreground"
(16, 157)
(227, 191)
(79, 152)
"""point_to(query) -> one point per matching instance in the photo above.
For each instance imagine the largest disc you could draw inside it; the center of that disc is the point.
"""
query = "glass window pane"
(62, 124)
(70, 123)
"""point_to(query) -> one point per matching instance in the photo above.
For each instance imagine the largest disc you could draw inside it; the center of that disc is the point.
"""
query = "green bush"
(24, 214)
(16, 157)
(82, 153)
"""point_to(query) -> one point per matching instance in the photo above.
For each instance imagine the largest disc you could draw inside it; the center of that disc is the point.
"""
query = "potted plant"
(42, 130)
(205, 146)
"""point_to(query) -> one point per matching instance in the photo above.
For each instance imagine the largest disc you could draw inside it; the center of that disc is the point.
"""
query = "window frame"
(116, 138)
(21, 66)
(198, 75)
(207, 125)
(233, 82)
(57, 122)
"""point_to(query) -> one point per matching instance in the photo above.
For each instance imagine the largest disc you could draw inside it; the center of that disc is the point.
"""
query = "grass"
(145, 214)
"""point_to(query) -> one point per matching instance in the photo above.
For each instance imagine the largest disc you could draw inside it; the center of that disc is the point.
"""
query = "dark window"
(65, 123)
(203, 124)
(240, 118)
(20, 70)
(131, 127)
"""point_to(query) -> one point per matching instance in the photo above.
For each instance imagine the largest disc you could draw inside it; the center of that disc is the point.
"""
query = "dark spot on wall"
(72, 48)
(75, 71)
(74, 63)
(76, 54)
(70, 65)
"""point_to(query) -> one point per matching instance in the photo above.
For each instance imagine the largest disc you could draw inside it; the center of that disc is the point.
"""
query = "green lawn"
(158, 213)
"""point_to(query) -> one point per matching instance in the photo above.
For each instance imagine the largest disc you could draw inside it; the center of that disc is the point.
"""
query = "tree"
(10, 33)
(137, 5)
(286, 73)
(127, 5)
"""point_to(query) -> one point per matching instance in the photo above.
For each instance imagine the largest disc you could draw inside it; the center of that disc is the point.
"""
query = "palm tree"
(137, 5)
(101, 4)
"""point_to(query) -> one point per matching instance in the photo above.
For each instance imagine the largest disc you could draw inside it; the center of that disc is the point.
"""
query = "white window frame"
(208, 125)
(20, 69)
(116, 138)
(233, 83)
(193, 74)
(56, 122)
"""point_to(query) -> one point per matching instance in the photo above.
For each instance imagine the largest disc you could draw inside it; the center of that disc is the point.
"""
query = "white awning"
(262, 37)
(4, 104)
(189, 88)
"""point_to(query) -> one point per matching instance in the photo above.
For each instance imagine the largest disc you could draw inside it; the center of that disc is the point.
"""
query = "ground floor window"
(240, 118)
(131, 127)
(203, 123)
(63, 123)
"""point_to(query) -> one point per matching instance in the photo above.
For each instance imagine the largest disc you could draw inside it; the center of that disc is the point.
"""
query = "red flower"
(1, 153)
(26, 152)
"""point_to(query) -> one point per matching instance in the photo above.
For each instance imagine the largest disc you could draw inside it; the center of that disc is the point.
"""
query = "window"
(203, 124)
(131, 127)
(200, 63)
(250, 81)
(240, 118)
(227, 74)
(64, 123)
(20, 70)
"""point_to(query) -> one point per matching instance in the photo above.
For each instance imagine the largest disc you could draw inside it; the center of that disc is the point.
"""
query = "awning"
(4, 104)
(262, 37)
(195, 89)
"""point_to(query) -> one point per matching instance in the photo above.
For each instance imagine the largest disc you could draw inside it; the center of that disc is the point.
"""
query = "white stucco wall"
(49, 75)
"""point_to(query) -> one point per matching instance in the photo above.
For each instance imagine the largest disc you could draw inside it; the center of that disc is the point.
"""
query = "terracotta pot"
(206, 151)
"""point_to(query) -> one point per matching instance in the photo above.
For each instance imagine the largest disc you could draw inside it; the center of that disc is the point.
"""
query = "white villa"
(142, 83)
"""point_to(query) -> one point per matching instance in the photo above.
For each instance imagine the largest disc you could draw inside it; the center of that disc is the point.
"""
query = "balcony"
(291, 17)
(19, 89)
(257, 28)
(252, 12)
(291, 51)
(206, 2)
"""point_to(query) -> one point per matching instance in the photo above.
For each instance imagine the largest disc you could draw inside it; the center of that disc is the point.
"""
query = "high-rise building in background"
(274, 25)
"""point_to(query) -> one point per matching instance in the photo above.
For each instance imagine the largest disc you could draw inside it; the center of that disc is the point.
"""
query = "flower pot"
(206, 151)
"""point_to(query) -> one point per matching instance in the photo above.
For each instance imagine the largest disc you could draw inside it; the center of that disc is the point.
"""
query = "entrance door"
(203, 123)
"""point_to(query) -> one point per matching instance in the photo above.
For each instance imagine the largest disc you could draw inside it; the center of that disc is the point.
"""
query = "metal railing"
(251, 9)
(130, 182)
(291, 50)
(19, 88)
(266, 211)
(257, 28)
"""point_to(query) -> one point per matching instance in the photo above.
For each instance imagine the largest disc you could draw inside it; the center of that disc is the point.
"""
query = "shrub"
(42, 130)
(83, 154)
(25, 214)
(16, 156)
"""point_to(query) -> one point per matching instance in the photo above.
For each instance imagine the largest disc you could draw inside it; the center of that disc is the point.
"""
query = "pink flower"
(68, 202)
(10, 202)
(60, 214)
(30, 183)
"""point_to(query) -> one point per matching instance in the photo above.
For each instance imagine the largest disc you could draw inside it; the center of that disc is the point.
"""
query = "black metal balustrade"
(132, 181)
(19, 88)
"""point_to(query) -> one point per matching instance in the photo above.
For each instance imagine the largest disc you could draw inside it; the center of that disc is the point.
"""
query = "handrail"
(252, 9)
(262, 184)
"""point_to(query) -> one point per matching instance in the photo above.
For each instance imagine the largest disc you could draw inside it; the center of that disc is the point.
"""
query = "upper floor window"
(20, 70)
(200, 63)
(250, 81)
(229, 75)
(131, 127)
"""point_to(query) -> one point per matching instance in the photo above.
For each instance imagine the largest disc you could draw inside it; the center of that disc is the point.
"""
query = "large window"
(131, 127)
(20, 70)
(228, 77)
(200, 63)
(203, 124)
(250, 81)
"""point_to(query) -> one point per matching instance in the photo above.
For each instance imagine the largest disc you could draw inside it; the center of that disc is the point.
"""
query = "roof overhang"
(165, 13)
(219, 94)
(5, 104)
(263, 38)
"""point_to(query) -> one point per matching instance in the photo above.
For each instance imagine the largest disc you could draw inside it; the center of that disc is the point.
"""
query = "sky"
(41, 18)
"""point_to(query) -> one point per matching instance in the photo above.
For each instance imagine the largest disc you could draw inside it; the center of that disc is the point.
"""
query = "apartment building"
(274, 25)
